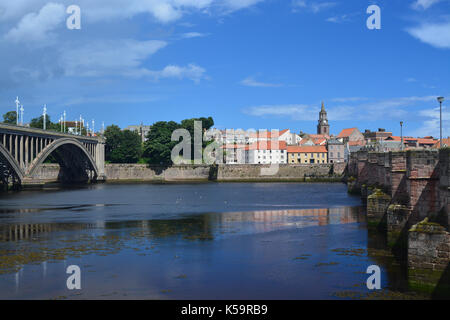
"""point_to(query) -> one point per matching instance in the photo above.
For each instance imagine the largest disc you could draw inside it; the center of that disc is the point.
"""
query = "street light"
(45, 117)
(440, 99)
(64, 131)
(21, 114)
(401, 134)
(17, 110)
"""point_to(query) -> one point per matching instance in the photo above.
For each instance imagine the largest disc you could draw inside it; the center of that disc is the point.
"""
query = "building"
(336, 151)
(307, 154)
(73, 127)
(263, 152)
(376, 136)
(269, 152)
(445, 143)
(239, 136)
(235, 153)
(350, 134)
(318, 139)
(410, 142)
(353, 146)
(141, 129)
(323, 126)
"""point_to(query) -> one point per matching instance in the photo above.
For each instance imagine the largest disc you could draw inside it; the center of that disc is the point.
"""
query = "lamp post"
(21, 114)
(440, 99)
(44, 125)
(17, 110)
(401, 134)
(64, 121)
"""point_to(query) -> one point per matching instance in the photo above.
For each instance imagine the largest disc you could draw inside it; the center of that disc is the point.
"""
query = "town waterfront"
(192, 241)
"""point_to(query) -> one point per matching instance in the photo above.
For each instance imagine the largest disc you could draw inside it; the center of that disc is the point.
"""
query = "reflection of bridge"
(23, 150)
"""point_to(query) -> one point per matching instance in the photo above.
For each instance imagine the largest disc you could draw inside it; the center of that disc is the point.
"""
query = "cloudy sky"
(247, 63)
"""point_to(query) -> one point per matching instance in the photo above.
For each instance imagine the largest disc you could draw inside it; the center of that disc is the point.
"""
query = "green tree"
(188, 124)
(10, 117)
(158, 147)
(39, 122)
(122, 146)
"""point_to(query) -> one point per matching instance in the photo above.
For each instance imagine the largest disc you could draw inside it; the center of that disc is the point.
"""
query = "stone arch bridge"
(23, 150)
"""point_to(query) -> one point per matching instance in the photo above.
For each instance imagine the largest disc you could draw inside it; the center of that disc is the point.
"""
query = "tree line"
(125, 146)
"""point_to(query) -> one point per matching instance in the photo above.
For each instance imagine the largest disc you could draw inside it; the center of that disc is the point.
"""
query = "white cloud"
(108, 57)
(192, 72)
(189, 35)
(123, 58)
(424, 4)
(37, 27)
(313, 6)
(385, 109)
(251, 82)
(294, 111)
(411, 80)
(240, 4)
(437, 35)
(431, 125)
(163, 11)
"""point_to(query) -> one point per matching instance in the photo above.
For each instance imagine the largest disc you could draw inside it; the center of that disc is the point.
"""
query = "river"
(192, 241)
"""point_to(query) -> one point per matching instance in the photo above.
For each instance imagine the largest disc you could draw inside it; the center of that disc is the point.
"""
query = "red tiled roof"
(426, 141)
(268, 145)
(266, 134)
(319, 141)
(346, 132)
(319, 136)
(306, 149)
(396, 138)
(357, 143)
(411, 139)
(445, 142)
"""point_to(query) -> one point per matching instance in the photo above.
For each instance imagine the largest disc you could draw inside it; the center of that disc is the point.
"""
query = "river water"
(192, 241)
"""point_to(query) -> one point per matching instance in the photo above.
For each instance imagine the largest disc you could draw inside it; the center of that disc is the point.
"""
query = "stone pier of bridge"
(407, 195)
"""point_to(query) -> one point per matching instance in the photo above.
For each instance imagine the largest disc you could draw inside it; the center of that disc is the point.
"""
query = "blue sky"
(247, 63)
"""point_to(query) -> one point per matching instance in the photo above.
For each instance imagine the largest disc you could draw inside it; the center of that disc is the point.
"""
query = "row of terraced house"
(286, 147)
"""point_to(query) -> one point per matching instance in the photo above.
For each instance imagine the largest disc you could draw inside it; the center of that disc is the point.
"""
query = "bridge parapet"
(22, 149)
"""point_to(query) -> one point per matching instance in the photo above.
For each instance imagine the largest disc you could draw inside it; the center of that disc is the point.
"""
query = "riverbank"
(224, 173)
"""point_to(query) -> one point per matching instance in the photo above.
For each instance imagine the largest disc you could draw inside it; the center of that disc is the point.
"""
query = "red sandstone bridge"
(23, 150)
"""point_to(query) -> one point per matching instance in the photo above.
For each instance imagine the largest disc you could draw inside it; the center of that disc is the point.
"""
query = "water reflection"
(200, 226)
(144, 242)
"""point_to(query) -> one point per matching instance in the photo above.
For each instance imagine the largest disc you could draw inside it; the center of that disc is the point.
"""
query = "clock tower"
(323, 127)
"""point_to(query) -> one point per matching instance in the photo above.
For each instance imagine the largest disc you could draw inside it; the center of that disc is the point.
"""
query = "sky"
(260, 64)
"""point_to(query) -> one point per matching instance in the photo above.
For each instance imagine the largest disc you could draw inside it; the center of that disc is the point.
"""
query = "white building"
(270, 152)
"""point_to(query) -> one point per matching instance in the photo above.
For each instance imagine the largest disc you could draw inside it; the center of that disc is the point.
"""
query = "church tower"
(323, 127)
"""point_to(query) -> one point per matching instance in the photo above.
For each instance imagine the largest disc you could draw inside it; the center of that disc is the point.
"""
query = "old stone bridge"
(23, 150)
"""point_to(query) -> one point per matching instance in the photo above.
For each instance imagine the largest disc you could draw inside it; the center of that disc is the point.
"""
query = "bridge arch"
(10, 166)
(73, 156)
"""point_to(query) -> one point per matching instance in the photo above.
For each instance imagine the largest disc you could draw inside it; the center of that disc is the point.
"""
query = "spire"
(323, 106)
